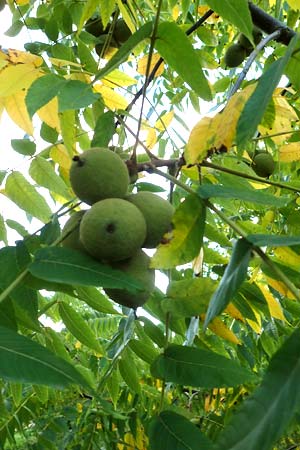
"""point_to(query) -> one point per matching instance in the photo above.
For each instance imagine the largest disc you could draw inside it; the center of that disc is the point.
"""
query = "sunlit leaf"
(112, 99)
(143, 61)
(15, 78)
(42, 171)
(176, 49)
(218, 132)
(16, 109)
(49, 114)
(218, 327)
(257, 103)
(289, 152)
(273, 304)
(186, 237)
(21, 192)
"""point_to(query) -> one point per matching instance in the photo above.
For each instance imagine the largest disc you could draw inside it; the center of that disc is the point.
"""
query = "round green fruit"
(244, 41)
(158, 214)
(71, 232)
(121, 31)
(138, 268)
(235, 55)
(94, 26)
(112, 230)
(98, 173)
(263, 164)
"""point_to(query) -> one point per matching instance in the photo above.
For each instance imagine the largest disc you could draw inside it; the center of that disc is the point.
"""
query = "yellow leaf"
(118, 78)
(289, 152)
(18, 56)
(16, 109)
(294, 4)
(49, 114)
(220, 329)
(22, 2)
(112, 99)
(79, 407)
(216, 133)
(212, 19)
(281, 288)
(164, 121)
(234, 312)
(288, 257)
(284, 115)
(61, 156)
(126, 16)
(14, 78)
(142, 64)
(255, 325)
(63, 62)
(151, 138)
(175, 12)
(274, 306)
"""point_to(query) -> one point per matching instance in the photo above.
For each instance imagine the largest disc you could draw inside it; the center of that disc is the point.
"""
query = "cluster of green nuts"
(120, 33)
(263, 163)
(237, 52)
(118, 223)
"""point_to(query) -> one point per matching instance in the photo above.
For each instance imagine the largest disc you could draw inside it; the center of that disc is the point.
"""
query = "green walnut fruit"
(158, 214)
(94, 26)
(112, 230)
(263, 164)
(121, 31)
(244, 41)
(98, 173)
(138, 268)
(235, 55)
(71, 232)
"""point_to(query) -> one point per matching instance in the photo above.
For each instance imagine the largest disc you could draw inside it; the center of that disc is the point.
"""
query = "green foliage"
(208, 356)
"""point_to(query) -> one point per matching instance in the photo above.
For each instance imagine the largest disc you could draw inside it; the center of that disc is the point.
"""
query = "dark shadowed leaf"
(262, 240)
(171, 431)
(65, 265)
(234, 275)
(192, 366)
(23, 360)
(263, 417)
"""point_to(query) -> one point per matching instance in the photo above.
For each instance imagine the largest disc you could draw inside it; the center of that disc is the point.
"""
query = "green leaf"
(42, 91)
(247, 195)
(171, 431)
(191, 366)
(187, 298)
(143, 350)
(104, 130)
(23, 360)
(65, 265)
(68, 129)
(78, 327)
(21, 192)
(292, 70)
(88, 10)
(186, 240)
(42, 171)
(255, 107)
(262, 240)
(177, 50)
(234, 275)
(3, 232)
(128, 371)
(75, 94)
(23, 146)
(124, 51)
(92, 297)
(86, 58)
(264, 416)
(236, 12)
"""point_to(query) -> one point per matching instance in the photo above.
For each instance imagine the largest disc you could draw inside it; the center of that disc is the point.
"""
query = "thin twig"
(250, 60)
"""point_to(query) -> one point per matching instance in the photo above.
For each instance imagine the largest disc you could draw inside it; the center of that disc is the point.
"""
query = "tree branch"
(269, 24)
